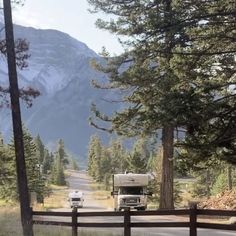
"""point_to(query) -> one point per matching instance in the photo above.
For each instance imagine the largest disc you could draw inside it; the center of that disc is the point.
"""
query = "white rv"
(130, 191)
(76, 199)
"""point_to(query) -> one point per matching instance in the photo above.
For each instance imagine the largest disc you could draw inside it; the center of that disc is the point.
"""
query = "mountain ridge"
(59, 67)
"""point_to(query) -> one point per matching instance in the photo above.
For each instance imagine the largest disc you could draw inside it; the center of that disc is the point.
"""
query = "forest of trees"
(43, 167)
(177, 74)
(145, 156)
(103, 161)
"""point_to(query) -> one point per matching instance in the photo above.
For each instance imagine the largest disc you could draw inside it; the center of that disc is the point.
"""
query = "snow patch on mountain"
(53, 57)
(59, 67)
(52, 79)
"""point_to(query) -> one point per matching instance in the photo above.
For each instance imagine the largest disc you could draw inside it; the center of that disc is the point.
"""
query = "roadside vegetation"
(10, 225)
(176, 80)
(197, 183)
(45, 170)
(46, 175)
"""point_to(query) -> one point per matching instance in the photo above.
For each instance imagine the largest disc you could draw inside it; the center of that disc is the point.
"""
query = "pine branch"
(101, 128)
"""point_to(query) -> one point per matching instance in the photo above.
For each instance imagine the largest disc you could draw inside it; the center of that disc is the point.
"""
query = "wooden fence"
(192, 214)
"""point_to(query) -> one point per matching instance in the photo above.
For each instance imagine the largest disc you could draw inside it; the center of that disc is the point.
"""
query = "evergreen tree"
(155, 167)
(75, 165)
(149, 75)
(139, 157)
(32, 162)
(113, 161)
(175, 68)
(206, 174)
(60, 160)
(220, 184)
(36, 182)
(8, 183)
(40, 149)
(207, 74)
(118, 157)
(58, 176)
(103, 161)
(62, 153)
(1, 140)
(47, 162)
(94, 158)
(107, 168)
(225, 180)
(22, 55)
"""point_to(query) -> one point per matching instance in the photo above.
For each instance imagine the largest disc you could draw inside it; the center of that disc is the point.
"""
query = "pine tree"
(60, 160)
(207, 74)
(94, 158)
(36, 182)
(47, 162)
(40, 148)
(152, 38)
(75, 165)
(22, 55)
(139, 157)
(58, 176)
(173, 54)
(1, 140)
(118, 156)
(61, 152)
(155, 167)
(8, 190)
(106, 168)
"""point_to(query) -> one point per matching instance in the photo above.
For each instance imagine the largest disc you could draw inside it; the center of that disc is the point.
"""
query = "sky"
(69, 16)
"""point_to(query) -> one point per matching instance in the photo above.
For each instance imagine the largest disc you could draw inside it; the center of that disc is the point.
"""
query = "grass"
(41, 230)
(10, 221)
(10, 225)
(103, 196)
(57, 198)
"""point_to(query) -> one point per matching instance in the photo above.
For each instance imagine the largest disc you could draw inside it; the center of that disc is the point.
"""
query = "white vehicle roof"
(75, 194)
(131, 179)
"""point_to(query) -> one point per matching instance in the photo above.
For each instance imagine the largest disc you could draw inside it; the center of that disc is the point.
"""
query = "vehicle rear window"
(75, 199)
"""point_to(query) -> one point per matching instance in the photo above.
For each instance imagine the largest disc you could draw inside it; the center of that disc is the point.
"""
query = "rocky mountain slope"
(59, 67)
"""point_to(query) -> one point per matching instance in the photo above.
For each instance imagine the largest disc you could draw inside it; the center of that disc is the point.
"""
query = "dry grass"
(56, 199)
(10, 221)
(65, 231)
(104, 198)
(10, 225)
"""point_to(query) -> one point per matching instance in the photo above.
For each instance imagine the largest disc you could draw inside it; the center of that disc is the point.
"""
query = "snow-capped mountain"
(59, 67)
(54, 57)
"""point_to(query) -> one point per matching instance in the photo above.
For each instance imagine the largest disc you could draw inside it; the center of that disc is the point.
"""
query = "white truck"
(76, 199)
(130, 191)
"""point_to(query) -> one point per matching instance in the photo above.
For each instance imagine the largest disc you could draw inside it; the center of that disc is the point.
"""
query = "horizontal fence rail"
(127, 223)
(211, 212)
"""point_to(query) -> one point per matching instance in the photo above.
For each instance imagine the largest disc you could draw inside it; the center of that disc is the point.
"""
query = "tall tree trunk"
(26, 215)
(167, 178)
(167, 190)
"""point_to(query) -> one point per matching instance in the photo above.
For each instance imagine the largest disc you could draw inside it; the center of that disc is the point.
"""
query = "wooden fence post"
(127, 229)
(193, 219)
(74, 222)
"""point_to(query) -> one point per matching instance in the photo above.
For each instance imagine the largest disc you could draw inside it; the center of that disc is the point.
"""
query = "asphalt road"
(80, 181)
